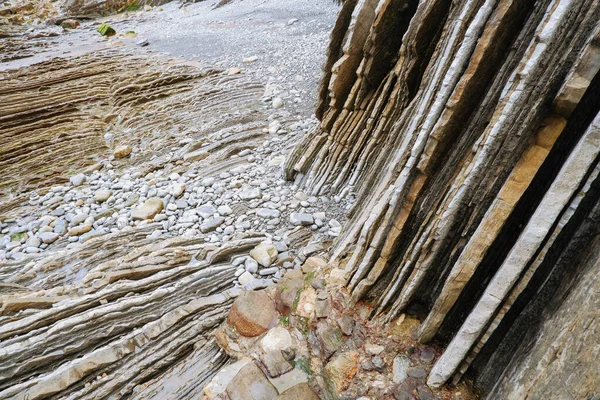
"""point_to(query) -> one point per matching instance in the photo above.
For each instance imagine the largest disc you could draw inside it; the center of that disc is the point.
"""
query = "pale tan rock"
(148, 209)
(251, 384)
(80, 230)
(265, 254)
(102, 195)
(122, 151)
(301, 391)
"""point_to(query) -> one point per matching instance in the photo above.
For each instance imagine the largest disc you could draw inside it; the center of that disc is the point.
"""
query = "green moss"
(303, 364)
(106, 30)
(130, 32)
(17, 237)
(297, 300)
(132, 7)
(304, 325)
(284, 320)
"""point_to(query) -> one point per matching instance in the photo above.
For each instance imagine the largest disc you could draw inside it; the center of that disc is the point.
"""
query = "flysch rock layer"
(469, 143)
(134, 189)
(118, 323)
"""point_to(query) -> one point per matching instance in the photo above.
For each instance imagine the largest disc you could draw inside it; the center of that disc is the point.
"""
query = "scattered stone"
(250, 59)
(70, 24)
(277, 103)
(251, 265)
(400, 368)
(245, 278)
(301, 391)
(122, 151)
(330, 339)
(342, 368)
(48, 237)
(249, 194)
(346, 324)
(322, 308)
(286, 292)
(416, 372)
(312, 264)
(80, 230)
(233, 71)
(206, 211)
(224, 210)
(106, 30)
(374, 349)
(298, 219)
(277, 339)
(148, 209)
(268, 213)
(265, 254)
(427, 354)
(102, 195)
(211, 224)
(77, 180)
(268, 271)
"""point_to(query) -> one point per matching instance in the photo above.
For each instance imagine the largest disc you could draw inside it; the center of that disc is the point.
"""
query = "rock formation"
(469, 134)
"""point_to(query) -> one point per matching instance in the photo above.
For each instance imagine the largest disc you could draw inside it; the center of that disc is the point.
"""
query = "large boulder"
(253, 313)
(251, 384)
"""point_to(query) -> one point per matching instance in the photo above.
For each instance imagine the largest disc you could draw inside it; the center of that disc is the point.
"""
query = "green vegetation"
(106, 30)
(302, 364)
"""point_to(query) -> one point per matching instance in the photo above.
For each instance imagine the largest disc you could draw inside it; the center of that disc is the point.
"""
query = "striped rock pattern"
(123, 315)
(126, 317)
(54, 116)
(469, 133)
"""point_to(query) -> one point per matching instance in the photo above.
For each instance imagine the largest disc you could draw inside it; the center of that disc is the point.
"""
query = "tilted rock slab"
(466, 130)
(135, 319)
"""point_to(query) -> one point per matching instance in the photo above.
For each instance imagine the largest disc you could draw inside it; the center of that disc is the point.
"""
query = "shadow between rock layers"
(472, 148)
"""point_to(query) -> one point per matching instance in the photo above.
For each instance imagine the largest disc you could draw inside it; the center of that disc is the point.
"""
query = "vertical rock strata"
(469, 133)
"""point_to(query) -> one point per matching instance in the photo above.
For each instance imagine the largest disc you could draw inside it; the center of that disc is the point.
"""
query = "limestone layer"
(469, 133)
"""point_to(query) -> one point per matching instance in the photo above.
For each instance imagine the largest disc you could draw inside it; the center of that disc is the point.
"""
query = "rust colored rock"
(253, 313)
(341, 369)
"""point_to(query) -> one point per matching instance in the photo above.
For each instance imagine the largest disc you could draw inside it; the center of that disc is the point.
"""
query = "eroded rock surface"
(459, 139)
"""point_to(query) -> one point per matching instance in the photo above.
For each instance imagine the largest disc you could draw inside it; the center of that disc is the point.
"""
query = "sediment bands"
(121, 318)
(472, 148)
(64, 115)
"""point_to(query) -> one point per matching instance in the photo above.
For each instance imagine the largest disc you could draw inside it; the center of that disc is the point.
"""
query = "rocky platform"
(140, 194)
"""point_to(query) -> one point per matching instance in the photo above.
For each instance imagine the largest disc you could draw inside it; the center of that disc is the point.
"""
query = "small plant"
(132, 5)
(106, 30)
(285, 320)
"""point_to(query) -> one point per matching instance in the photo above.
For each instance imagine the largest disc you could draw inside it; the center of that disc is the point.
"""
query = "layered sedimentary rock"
(76, 108)
(468, 131)
(124, 317)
